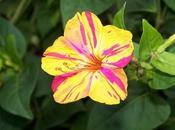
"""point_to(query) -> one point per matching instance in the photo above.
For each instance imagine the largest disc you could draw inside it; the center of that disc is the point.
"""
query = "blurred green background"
(28, 27)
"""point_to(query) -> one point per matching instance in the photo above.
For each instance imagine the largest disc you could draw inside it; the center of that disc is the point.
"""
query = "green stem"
(19, 11)
(166, 44)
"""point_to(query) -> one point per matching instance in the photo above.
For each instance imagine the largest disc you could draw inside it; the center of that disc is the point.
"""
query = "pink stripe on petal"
(82, 30)
(113, 78)
(123, 62)
(83, 35)
(60, 79)
(109, 51)
(114, 50)
(60, 56)
(75, 47)
(91, 24)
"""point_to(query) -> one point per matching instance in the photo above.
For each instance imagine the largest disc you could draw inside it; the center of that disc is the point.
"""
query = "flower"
(88, 61)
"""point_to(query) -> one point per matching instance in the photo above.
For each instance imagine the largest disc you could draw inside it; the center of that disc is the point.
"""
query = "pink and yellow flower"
(88, 61)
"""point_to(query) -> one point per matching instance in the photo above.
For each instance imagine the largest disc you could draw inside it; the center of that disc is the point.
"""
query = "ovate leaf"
(165, 62)
(136, 50)
(161, 80)
(136, 10)
(16, 93)
(145, 112)
(57, 113)
(119, 18)
(170, 92)
(151, 39)
(80, 123)
(48, 17)
(69, 8)
(43, 86)
(141, 6)
(10, 48)
(11, 122)
(170, 3)
(6, 30)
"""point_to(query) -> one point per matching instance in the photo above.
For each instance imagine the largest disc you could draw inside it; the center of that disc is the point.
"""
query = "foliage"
(28, 27)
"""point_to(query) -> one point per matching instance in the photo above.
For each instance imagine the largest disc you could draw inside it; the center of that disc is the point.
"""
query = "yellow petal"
(116, 45)
(60, 58)
(55, 66)
(83, 31)
(104, 91)
(73, 88)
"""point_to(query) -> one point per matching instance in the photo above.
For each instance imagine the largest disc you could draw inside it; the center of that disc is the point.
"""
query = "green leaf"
(16, 93)
(151, 39)
(6, 30)
(43, 86)
(170, 4)
(135, 11)
(80, 123)
(164, 62)
(8, 7)
(169, 126)
(143, 113)
(48, 17)
(11, 49)
(139, 6)
(119, 18)
(170, 92)
(57, 113)
(11, 122)
(6, 126)
(136, 50)
(96, 6)
(161, 80)
(168, 25)
(172, 49)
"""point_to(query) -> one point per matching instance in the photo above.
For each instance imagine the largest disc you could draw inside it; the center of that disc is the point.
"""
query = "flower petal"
(109, 86)
(73, 87)
(60, 58)
(60, 79)
(116, 46)
(83, 31)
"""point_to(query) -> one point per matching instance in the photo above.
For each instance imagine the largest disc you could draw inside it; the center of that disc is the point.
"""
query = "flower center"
(95, 64)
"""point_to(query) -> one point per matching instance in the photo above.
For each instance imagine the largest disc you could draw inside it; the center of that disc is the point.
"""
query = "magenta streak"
(81, 51)
(108, 51)
(123, 62)
(114, 50)
(122, 47)
(115, 53)
(88, 86)
(83, 33)
(73, 88)
(60, 56)
(91, 24)
(113, 78)
(60, 79)
(82, 30)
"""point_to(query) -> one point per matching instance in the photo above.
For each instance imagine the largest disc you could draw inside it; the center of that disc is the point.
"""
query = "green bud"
(146, 65)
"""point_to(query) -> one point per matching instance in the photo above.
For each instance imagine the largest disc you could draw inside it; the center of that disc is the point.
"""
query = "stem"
(166, 44)
(19, 11)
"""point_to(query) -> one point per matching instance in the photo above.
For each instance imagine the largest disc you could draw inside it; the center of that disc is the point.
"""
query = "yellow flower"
(88, 61)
